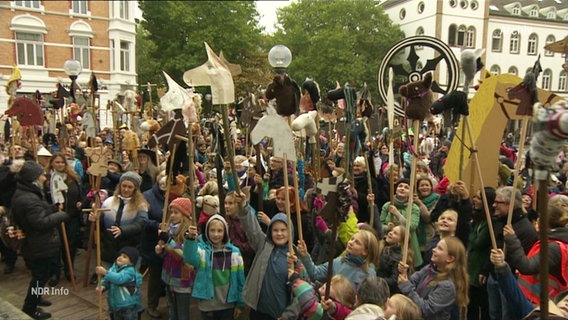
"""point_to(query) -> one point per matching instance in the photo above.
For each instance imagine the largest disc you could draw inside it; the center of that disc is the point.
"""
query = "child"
(236, 232)
(402, 308)
(342, 297)
(266, 287)
(177, 275)
(220, 270)
(390, 255)
(355, 263)
(123, 284)
(439, 286)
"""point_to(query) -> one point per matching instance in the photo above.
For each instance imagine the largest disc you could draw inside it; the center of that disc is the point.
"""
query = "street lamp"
(279, 58)
(73, 68)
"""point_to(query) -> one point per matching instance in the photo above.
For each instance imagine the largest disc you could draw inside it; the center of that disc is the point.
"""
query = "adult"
(156, 288)
(524, 230)
(39, 220)
(122, 224)
(478, 250)
(147, 168)
(59, 170)
(361, 184)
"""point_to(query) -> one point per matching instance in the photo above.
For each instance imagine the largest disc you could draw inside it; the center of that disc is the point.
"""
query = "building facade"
(513, 33)
(39, 36)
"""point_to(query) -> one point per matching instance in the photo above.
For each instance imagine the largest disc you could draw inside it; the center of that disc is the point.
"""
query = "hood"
(560, 234)
(278, 217)
(366, 311)
(220, 218)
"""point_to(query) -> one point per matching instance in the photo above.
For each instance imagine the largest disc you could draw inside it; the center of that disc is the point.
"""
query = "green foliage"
(179, 29)
(340, 40)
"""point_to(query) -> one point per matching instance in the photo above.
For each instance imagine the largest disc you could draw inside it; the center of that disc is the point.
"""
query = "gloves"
(321, 225)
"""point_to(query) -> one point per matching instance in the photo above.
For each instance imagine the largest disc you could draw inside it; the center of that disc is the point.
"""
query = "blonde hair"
(456, 271)
(405, 308)
(344, 290)
(182, 228)
(137, 201)
(371, 243)
(409, 252)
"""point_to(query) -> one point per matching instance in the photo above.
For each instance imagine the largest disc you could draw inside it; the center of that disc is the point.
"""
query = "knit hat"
(131, 252)
(447, 143)
(132, 177)
(30, 171)
(183, 205)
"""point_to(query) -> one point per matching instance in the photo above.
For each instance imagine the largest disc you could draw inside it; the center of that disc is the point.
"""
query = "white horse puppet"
(274, 126)
(88, 123)
(306, 125)
(179, 97)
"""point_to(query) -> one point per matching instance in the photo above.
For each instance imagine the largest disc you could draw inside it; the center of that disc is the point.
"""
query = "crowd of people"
(236, 251)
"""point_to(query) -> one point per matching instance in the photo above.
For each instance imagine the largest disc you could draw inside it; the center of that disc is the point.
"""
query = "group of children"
(279, 282)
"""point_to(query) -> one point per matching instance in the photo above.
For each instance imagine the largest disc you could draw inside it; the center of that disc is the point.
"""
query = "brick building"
(39, 36)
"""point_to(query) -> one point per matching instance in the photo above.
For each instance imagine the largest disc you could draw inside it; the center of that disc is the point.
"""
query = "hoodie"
(220, 270)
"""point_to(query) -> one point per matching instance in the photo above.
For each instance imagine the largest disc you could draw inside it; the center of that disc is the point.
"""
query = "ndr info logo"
(50, 291)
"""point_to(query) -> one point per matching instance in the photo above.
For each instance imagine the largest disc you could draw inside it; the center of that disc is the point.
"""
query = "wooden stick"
(68, 256)
(416, 126)
(98, 244)
(287, 199)
(259, 171)
(297, 199)
(480, 176)
(516, 173)
(542, 178)
(191, 154)
(367, 154)
(230, 149)
(163, 225)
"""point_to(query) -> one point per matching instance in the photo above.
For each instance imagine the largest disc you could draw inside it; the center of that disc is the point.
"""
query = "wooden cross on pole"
(150, 113)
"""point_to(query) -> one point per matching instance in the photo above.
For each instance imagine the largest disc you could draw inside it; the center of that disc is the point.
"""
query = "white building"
(513, 33)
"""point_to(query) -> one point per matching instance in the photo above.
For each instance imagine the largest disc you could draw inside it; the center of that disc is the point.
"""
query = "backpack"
(10, 233)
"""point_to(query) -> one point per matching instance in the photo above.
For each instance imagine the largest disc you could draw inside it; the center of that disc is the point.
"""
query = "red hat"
(183, 205)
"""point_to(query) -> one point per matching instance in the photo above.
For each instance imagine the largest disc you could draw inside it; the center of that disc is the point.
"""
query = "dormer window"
(551, 15)
(516, 10)
(534, 12)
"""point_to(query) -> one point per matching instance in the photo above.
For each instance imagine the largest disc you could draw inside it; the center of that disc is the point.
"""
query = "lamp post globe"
(72, 68)
(279, 58)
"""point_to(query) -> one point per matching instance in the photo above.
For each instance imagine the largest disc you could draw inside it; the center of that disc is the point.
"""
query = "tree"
(339, 40)
(179, 29)
(148, 68)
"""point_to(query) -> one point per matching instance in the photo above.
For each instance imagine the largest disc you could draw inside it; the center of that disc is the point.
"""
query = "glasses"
(500, 202)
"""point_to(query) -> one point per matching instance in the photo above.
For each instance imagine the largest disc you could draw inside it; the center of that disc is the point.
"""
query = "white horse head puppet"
(306, 124)
(215, 73)
(176, 97)
(274, 126)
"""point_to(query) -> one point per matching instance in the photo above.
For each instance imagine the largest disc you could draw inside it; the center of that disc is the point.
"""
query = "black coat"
(465, 213)
(388, 266)
(39, 220)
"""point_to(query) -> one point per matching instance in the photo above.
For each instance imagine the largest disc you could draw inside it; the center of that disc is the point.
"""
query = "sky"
(267, 11)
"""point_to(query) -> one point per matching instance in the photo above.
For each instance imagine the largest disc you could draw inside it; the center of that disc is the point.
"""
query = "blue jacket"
(124, 287)
(155, 198)
(199, 254)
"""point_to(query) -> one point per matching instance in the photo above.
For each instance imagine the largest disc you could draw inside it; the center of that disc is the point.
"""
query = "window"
(419, 32)
(81, 51)
(29, 47)
(402, 14)
(124, 56)
(551, 14)
(495, 70)
(562, 81)
(124, 10)
(546, 76)
(513, 70)
(28, 4)
(496, 42)
(461, 35)
(474, 5)
(419, 65)
(514, 44)
(453, 3)
(421, 7)
(79, 6)
(463, 4)
(533, 42)
(452, 35)
(550, 39)
(516, 10)
(112, 55)
(470, 37)
(534, 12)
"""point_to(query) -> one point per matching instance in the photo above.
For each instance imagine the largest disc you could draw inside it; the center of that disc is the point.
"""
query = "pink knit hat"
(183, 205)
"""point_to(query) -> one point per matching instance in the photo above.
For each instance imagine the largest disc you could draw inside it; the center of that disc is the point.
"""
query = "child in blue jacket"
(123, 284)
(220, 274)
